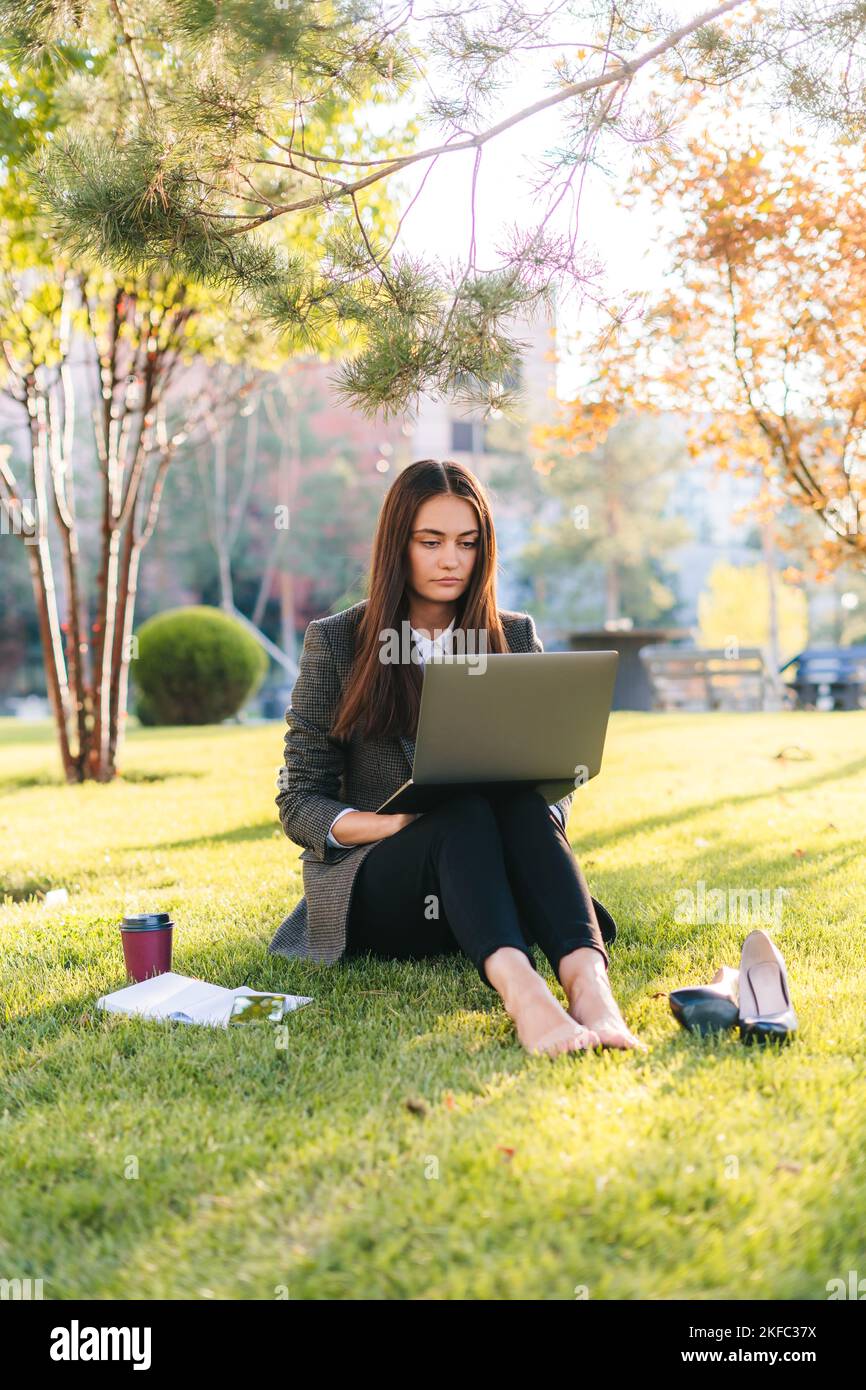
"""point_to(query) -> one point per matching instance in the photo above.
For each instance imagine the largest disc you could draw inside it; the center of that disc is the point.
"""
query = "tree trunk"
(613, 507)
(45, 593)
(221, 536)
(769, 551)
(87, 680)
(52, 652)
(111, 437)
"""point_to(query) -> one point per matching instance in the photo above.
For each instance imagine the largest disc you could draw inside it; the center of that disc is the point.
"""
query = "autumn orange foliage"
(760, 334)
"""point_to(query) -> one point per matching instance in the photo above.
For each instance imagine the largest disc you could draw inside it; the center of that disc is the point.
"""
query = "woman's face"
(443, 545)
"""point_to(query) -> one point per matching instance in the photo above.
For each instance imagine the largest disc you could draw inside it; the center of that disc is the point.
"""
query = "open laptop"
(526, 719)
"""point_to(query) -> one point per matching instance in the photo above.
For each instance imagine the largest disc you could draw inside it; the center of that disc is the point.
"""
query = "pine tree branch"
(128, 41)
(621, 74)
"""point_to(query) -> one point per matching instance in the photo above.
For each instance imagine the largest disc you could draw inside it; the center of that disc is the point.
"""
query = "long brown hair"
(382, 699)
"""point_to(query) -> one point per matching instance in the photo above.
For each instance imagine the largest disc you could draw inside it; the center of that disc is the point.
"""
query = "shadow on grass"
(28, 886)
(26, 780)
(22, 782)
(351, 1064)
(332, 1062)
(594, 840)
(733, 869)
(240, 835)
(587, 842)
(142, 775)
(709, 1205)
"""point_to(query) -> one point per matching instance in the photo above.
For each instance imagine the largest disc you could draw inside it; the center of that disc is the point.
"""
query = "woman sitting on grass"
(488, 877)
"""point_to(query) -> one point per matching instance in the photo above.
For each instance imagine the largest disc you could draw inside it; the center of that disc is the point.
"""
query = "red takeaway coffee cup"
(147, 938)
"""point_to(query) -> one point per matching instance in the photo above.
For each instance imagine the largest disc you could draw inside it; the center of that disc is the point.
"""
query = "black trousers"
(479, 872)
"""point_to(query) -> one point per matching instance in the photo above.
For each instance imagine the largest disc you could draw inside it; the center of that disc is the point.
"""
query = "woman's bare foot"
(542, 1024)
(583, 976)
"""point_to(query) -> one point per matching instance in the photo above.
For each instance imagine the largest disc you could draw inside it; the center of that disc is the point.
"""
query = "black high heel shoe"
(766, 1013)
(708, 1008)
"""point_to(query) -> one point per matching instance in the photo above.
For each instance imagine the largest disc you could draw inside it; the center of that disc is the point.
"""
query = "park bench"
(694, 678)
(830, 677)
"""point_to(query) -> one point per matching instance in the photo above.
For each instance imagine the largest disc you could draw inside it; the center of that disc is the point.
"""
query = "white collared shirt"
(427, 648)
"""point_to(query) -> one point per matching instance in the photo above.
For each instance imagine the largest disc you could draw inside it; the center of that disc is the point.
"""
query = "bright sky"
(627, 244)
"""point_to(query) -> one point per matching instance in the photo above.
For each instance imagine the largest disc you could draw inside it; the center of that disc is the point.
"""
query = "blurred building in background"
(497, 449)
(335, 465)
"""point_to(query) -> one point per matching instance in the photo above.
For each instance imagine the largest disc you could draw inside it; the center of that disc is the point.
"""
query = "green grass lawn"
(403, 1145)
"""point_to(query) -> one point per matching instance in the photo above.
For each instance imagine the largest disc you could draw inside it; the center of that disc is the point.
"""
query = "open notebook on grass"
(187, 1000)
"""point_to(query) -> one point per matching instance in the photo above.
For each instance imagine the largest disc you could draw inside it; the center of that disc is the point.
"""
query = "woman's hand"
(399, 820)
(364, 827)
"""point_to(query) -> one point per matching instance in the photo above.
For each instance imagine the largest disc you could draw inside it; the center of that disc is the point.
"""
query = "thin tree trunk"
(118, 727)
(34, 532)
(287, 487)
(121, 675)
(221, 537)
(60, 445)
(92, 692)
(45, 593)
(107, 576)
(287, 613)
(52, 652)
(127, 582)
(290, 485)
(265, 588)
(612, 506)
(769, 552)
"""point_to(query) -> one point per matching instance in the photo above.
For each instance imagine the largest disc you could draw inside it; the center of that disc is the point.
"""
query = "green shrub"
(144, 710)
(195, 666)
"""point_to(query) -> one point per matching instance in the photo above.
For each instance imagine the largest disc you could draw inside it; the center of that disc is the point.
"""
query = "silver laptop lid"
(513, 716)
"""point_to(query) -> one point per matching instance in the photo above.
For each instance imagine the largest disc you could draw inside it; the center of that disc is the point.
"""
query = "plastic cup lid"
(146, 921)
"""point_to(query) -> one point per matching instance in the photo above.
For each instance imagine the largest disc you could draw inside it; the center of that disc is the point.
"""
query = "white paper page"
(209, 1009)
(146, 993)
(190, 1000)
(197, 999)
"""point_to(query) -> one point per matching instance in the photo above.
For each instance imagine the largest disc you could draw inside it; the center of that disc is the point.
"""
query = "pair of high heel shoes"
(756, 997)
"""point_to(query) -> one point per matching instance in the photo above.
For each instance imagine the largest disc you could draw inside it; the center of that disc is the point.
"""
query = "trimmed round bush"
(195, 666)
(144, 710)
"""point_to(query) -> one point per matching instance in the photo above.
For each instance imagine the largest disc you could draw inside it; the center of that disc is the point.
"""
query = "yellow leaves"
(537, 435)
(544, 466)
(736, 599)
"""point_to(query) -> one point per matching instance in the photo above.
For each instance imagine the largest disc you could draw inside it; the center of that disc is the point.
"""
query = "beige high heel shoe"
(766, 1012)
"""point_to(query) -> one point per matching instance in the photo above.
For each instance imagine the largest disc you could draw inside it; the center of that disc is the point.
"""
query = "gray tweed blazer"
(323, 776)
